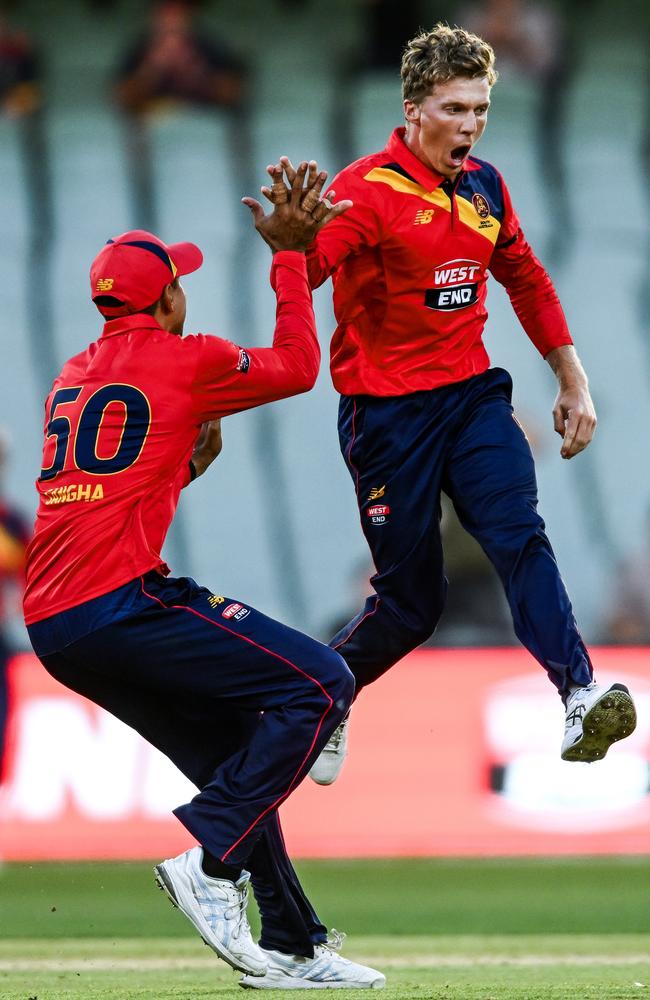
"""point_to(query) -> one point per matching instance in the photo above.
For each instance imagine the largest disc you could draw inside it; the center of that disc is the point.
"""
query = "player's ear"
(167, 298)
(412, 112)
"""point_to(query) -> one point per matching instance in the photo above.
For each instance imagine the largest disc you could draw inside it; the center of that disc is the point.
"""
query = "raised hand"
(299, 212)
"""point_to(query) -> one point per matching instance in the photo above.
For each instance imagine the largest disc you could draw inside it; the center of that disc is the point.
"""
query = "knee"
(325, 676)
(415, 624)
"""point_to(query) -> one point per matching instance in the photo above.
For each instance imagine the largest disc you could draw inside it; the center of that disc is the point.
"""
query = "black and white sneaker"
(596, 717)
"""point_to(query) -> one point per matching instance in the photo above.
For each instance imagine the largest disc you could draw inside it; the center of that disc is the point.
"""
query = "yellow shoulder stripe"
(405, 186)
(488, 228)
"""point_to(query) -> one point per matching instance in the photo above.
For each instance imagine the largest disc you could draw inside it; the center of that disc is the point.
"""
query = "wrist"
(566, 367)
(571, 378)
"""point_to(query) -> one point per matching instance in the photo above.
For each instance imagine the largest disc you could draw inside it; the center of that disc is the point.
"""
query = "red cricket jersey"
(410, 263)
(121, 422)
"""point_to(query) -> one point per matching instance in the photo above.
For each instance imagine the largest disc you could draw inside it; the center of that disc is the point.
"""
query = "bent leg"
(183, 646)
(198, 735)
(393, 455)
(491, 480)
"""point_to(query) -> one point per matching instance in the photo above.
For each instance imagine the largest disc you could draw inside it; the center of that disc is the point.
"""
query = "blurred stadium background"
(87, 150)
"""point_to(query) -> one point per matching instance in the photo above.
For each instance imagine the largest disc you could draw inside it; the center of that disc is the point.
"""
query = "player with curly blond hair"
(421, 409)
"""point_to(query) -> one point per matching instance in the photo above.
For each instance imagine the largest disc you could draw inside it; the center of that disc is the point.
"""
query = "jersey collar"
(125, 324)
(428, 178)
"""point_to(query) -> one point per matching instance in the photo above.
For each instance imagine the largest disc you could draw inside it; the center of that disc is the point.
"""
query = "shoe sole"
(324, 781)
(611, 718)
(165, 883)
(288, 983)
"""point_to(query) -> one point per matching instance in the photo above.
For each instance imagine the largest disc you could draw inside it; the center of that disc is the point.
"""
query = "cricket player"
(422, 411)
(240, 703)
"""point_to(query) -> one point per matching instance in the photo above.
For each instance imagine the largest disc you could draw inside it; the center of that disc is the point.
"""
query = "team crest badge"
(481, 205)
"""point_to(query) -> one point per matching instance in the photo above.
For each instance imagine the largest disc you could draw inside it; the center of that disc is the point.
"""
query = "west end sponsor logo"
(455, 285)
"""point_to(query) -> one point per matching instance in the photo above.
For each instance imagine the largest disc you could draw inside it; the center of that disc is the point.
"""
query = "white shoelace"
(334, 741)
(238, 912)
(335, 940)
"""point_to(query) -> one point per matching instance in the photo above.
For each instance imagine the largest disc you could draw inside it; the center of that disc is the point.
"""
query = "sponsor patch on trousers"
(378, 513)
(236, 611)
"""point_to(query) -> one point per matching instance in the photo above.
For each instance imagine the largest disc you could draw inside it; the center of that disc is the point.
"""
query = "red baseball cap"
(130, 272)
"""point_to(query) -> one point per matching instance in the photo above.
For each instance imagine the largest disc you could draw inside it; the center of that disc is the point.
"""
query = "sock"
(214, 868)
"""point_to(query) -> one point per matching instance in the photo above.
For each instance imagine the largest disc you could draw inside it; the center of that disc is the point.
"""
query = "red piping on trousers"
(184, 607)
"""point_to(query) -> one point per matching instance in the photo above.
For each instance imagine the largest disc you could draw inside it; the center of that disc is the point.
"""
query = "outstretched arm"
(230, 378)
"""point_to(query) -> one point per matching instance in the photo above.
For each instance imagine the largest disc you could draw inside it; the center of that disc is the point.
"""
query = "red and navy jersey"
(409, 264)
(121, 422)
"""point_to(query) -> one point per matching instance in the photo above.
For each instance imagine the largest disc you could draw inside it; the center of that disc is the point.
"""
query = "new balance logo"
(423, 217)
(104, 284)
(377, 492)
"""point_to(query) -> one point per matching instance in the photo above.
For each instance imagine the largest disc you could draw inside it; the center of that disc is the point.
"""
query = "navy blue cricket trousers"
(462, 439)
(242, 705)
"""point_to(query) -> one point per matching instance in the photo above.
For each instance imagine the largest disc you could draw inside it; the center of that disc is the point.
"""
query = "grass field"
(455, 929)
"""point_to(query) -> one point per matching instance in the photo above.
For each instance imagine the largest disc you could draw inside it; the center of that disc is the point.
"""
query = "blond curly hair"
(439, 55)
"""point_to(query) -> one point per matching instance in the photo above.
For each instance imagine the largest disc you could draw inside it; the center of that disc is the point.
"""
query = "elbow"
(308, 369)
(307, 380)
(306, 373)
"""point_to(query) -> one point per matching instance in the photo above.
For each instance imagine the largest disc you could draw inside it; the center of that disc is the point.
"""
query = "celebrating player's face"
(443, 128)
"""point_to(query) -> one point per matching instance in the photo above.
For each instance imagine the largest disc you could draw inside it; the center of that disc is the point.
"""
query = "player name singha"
(73, 493)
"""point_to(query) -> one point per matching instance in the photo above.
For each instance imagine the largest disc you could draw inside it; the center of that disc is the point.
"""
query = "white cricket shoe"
(327, 766)
(216, 907)
(327, 970)
(596, 717)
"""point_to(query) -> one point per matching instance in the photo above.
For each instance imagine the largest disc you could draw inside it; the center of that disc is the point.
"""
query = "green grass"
(524, 967)
(481, 930)
(405, 896)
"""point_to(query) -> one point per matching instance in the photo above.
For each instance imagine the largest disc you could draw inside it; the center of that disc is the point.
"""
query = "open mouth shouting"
(459, 154)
